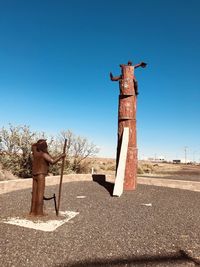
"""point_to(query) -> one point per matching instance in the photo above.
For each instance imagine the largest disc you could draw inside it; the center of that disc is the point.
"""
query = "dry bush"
(145, 168)
(15, 144)
(79, 149)
(15, 150)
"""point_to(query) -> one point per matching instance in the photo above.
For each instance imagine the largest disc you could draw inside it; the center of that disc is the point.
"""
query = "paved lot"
(108, 231)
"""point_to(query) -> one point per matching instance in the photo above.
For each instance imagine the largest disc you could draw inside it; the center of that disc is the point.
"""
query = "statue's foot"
(43, 214)
(32, 213)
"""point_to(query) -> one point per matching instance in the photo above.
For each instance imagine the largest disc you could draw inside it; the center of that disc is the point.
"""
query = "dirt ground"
(145, 168)
(170, 171)
(6, 175)
(108, 165)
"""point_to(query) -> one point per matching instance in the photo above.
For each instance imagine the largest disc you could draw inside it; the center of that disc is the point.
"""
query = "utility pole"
(185, 149)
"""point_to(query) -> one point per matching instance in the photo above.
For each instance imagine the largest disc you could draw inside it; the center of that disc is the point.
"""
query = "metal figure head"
(40, 146)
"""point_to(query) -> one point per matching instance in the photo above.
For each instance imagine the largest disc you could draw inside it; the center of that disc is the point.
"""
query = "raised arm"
(141, 64)
(116, 78)
(52, 161)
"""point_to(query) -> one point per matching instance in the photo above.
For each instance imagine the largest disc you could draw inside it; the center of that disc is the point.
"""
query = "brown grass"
(108, 165)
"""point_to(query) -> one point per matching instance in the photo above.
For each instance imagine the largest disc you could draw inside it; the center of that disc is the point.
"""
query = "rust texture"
(127, 118)
(40, 168)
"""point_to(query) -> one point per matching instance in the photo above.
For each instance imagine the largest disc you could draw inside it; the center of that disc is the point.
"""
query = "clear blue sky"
(55, 59)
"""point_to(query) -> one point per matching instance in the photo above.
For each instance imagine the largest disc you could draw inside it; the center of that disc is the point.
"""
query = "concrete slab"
(39, 224)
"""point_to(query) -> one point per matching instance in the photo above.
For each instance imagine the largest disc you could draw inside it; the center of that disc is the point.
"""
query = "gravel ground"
(108, 231)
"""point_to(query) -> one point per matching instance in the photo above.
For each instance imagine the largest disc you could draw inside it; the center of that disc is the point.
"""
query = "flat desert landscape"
(190, 172)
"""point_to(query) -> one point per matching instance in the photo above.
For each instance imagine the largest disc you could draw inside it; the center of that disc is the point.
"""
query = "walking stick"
(61, 177)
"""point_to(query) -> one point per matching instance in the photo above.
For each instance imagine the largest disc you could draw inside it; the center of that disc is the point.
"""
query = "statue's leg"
(34, 197)
(40, 193)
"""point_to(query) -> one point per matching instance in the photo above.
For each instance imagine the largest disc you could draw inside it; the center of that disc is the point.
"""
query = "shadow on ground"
(101, 180)
(178, 257)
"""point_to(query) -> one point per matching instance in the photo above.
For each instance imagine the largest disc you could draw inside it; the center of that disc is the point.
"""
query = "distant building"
(176, 161)
(158, 159)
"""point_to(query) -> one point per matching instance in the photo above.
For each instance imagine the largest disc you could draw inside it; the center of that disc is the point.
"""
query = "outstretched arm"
(52, 161)
(117, 78)
(141, 64)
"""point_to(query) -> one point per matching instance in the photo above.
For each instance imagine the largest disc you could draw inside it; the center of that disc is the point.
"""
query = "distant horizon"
(191, 156)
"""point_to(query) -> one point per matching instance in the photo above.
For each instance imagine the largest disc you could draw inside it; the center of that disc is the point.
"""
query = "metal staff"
(61, 177)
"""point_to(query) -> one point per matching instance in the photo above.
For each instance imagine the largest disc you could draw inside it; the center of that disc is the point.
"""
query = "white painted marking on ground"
(81, 197)
(47, 226)
(147, 205)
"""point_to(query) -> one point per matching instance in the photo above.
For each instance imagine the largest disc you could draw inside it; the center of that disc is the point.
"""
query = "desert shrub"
(140, 170)
(84, 167)
(78, 150)
(15, 150)
(108, 167)
(111, 167)
(145, 168)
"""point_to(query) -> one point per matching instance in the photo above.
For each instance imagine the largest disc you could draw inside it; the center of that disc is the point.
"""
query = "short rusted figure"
(40, 168)
(127, 118)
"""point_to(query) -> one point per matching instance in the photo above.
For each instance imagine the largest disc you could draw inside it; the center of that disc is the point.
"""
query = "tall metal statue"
(40, 168)
(127, 118)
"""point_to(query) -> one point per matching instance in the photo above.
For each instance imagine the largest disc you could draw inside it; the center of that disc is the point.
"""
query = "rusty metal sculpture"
(127, 118)
(40, 167)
